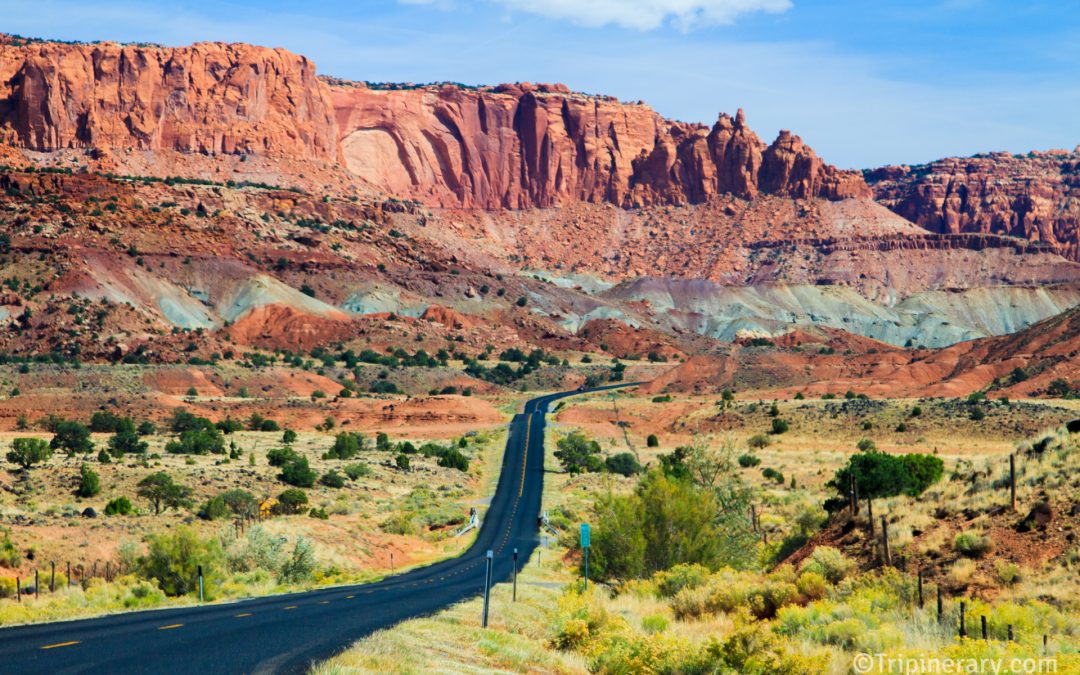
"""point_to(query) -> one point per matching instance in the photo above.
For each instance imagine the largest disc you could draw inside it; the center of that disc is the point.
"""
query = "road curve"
(287, 633)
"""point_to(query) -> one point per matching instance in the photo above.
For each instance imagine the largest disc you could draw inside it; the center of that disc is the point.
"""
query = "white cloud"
(643, 14)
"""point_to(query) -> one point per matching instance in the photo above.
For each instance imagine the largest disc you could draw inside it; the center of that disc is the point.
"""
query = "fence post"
(1012, 480)
(940, 604)
(200, 584)
(870, 514)
(94, 573)
(18, 589)
(855, 493)
(985, 634)
(920, 588)
(37, 586)
(515, 574)
(487, 586)
(885, 541)
(753, 518)
(963, 628)
(52, 577)
(1046, 647)
(69, 574)
(1010, 633)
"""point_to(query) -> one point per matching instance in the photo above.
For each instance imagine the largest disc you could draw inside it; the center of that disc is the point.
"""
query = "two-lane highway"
(287, 633)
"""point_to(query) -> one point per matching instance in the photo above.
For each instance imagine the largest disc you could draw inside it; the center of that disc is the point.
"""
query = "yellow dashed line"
(289, 607)
(349, 597)
(324, 602)
(170, 626)
(243, 614)
(61, 644)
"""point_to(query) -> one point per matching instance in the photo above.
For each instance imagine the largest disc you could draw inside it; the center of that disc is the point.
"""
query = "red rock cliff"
(519, 146)
(208, 98)
(511, 146)
(1033, 196)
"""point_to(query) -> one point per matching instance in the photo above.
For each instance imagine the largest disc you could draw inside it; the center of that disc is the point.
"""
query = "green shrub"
(198, 442)
(453, 459)
(358, 470)
(332, 479)
(773, 475)
(671, 581)
(652, 441)
(174, 558)
(402, 462)
(758, 441)
(125, 441)
(828, 562)
(288, 437)
(281, 456)
(298, 474)
(120, 506)
(623, 463)
(346, 446)
(300, 565)
(89, 482)
(972, 544)
(291, 501)
(747, 461)
(215, 509)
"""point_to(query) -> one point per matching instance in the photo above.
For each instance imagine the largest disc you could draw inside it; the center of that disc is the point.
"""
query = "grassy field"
(387, 518)
(834, 603)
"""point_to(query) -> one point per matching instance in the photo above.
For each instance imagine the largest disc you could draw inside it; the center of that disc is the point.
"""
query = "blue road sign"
(584, 535)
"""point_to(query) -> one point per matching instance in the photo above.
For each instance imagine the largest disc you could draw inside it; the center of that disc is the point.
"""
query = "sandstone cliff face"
(512, 146)
(206, 98)
(520, 146)
(1033, 196)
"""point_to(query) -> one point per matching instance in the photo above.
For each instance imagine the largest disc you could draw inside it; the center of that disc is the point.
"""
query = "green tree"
(198, 442)
(26, 452)
(162, 493)
(71, 437)
(779, 426)
(125, 442)
(578, 454)
(288, 437)
(291, 501)
(652, 441)
(89, 482)
(346, 446)
(403, 462)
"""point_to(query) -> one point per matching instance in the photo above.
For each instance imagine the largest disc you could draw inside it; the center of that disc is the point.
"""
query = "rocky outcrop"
(206, 98)
(1033, 196)
(511, 146)
(520, 146)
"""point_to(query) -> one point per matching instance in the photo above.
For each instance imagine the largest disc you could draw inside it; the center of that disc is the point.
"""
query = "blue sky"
(864, 82)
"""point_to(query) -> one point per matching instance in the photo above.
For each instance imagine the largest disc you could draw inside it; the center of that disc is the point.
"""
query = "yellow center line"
(170, 626)
(289, 607)
(61, 644)
(243, 614)
(349, 597)
(525, 459)
(324, 602)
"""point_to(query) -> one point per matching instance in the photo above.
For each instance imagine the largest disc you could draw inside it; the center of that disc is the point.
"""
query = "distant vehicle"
(581, 387)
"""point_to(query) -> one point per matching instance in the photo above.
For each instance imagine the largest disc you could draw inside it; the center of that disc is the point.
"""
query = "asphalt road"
(287, 633)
